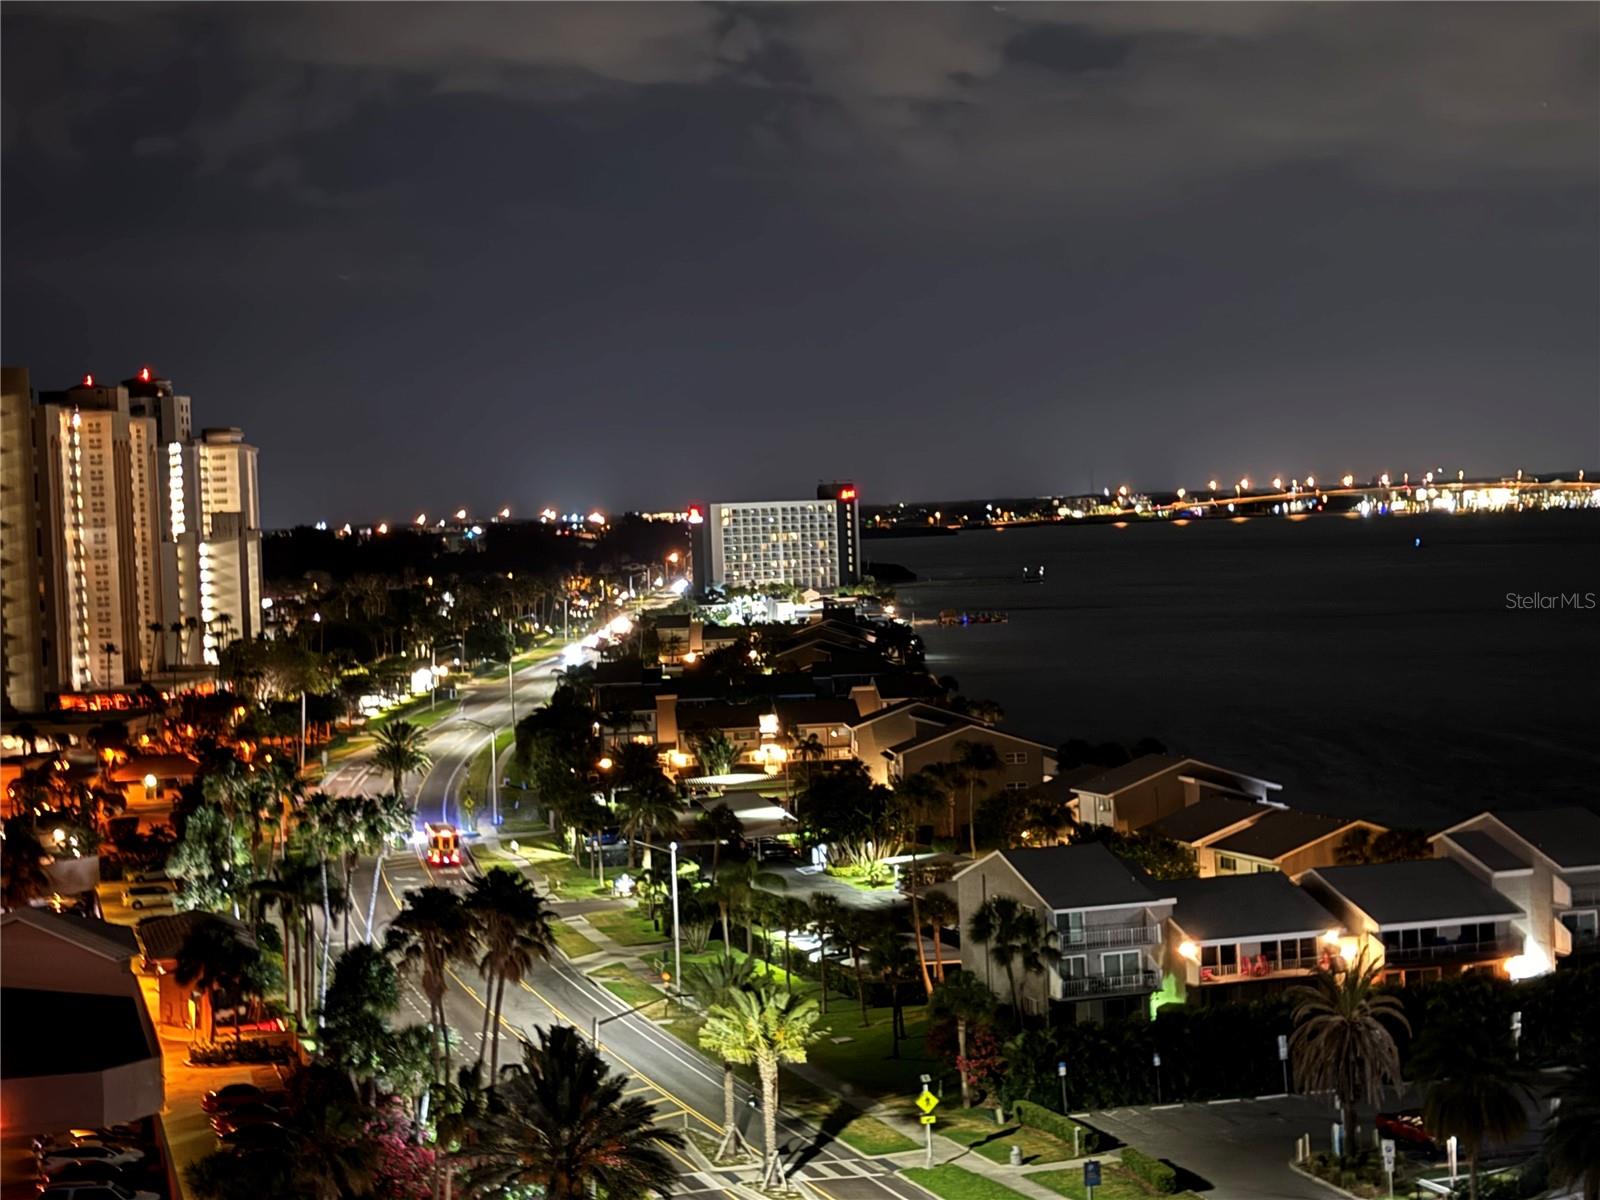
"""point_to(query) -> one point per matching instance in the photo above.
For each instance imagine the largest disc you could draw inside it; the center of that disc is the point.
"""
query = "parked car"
(834, 951)
(94, 1191)
(150, 875)
(235, 1095)
(147, 895)
(246, 1114)
(1407, 1128)
(90, 1152)
(84, 1173)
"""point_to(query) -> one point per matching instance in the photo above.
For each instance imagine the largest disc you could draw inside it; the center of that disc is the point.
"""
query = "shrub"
(1152, 1171)
(1056, 1125)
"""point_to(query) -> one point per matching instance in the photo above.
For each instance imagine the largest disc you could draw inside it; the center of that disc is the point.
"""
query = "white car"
(105, 1153)
(148, 895)
(94, 1191)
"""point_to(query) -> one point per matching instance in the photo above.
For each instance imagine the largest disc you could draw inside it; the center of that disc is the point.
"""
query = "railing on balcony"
(1470, 948)
(1092, 936)
(1110, 985)
(1257, 968)
(1585, 897)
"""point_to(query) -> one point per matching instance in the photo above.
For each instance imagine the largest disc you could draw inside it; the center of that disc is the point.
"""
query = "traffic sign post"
(927, 1102)
(1283, 1059)
(1387, 1147)
(1155, 1061)
(1091, 1177)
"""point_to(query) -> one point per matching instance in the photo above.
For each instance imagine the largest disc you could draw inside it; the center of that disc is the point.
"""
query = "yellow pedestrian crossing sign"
(927, 1102)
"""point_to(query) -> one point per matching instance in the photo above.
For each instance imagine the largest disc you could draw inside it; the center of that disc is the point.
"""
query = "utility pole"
(511, 673)
(677, 940)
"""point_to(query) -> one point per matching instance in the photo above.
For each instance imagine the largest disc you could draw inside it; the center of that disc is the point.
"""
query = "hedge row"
(1152, 1170)
(1035, 1116)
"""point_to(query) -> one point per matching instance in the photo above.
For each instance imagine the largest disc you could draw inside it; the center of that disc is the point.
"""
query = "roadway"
(685, 1087)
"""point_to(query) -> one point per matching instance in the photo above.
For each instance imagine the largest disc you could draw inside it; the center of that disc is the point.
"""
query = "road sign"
(927, 1118)
(1155, 1059)
(1061, 1069)
(1283, 1048)
(1387, 1146)
(927, 1102)
(1091, 1173)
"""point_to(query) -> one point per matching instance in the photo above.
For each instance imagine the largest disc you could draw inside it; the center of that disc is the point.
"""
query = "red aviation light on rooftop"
(88, 381)
(696, 517)
(144, 374)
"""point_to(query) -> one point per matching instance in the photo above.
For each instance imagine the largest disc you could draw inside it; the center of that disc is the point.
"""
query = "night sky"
(624, 255)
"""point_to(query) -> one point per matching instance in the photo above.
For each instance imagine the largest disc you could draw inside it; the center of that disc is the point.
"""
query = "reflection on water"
(1367, 673)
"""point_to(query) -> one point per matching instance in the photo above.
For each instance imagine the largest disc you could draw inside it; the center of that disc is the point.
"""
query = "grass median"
(956, 1183)
(1115, 1184)
(976, 1129)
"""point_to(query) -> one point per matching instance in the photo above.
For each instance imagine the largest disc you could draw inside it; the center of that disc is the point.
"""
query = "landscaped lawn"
(566, 879)
(975, 1127)
(631, 990)
(572, 943)
(864, 1134)
(629, 927)
(1115, 1184)
(954, 1183)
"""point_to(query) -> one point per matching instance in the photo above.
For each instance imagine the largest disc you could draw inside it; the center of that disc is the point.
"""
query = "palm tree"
(1572, 1138)
(216, 959)
(295, 888)
(859, 928)
(399, 751)
(559, 1126)
(107, 649)
(734, 890)
(766, 1027)
(23, 878)
(324, 831)
(1015, 936)
(647, 811)
(385, 818)
(715, 750)
(1474, 1087)
(179, 649)
(712, 983)
(794, 912)
(976, 760)
(893, 962)
(938, 911)
(719, 824)
(1342, 1040)
(966, 998)
(513, 929)
(155, 629)
(826, 915)
(432, 931)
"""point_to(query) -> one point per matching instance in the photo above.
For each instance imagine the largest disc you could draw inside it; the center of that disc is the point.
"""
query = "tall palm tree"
(794, 913)
(1015, 936)
(894, 963)
(1475, 1090)
(733, 891)
(766, 1027)
(559, 1126)
(107, 649)
(826, 915)
(718, 824)
(513, 929)
(324, 831)
(432, 931)
(968, 999)
(385, 818)
(295, 887)
(1572, 1138)
(1342, 1040)
(976, 760)
(859, 928)
(180, 651)
(155, 629)
(712, 983)
(399, 751)
(648, 811)
(939, 910)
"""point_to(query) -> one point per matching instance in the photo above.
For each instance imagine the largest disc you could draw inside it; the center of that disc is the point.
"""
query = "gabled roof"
(1243, 907)
(1411, 893)
(1479, 845)
(1084, 875)
(1148, 766)
(929, 736)
(115, 942)
(1280, 832)
(1206, 818)
(920, 709)
(1568, 837)
(162, 937)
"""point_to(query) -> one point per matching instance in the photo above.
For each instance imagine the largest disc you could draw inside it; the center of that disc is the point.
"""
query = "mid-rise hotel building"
(807, 543)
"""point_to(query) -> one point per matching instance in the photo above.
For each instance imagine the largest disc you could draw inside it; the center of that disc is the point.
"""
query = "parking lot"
(1239, 1148)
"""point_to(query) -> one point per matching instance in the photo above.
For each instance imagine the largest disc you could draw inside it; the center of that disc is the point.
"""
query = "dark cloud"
(618, 253)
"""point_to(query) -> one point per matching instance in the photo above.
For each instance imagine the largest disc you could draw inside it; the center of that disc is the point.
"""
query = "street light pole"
(677, 940)
(511, 672)
(494, 782)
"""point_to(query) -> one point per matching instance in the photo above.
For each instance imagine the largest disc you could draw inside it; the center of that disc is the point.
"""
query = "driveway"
(1240, 1148)
(802, 881)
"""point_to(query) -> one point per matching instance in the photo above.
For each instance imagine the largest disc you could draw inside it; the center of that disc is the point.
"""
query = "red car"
(1406, 1128)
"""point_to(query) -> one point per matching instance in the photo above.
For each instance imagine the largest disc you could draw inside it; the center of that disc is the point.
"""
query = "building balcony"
(1248, 968)
(1462, 951)
(1128, 983)
(1103, 936)
(1585, 897)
